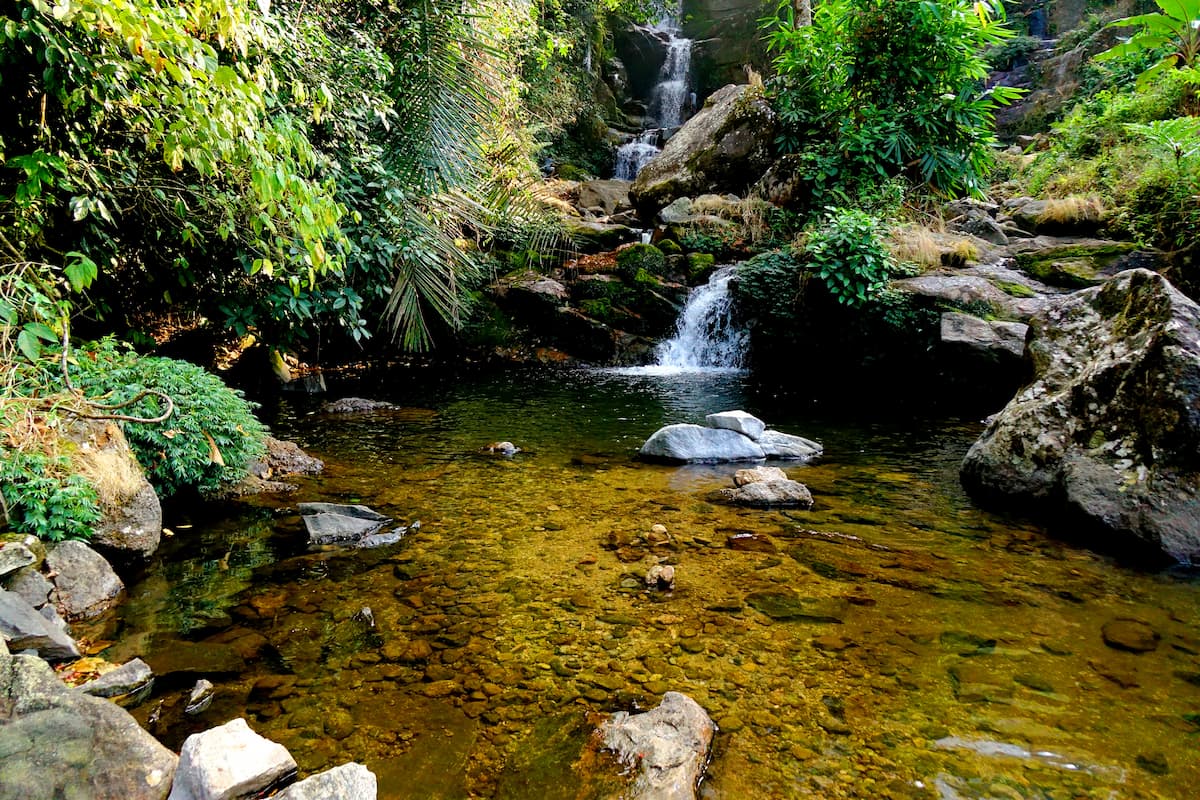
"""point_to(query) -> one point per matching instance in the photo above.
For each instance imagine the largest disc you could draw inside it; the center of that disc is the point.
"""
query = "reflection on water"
(893, 642)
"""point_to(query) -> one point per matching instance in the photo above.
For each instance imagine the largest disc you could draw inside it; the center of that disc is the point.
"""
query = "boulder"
(333, 522)
(595, 237)
(695, 443)
(132, 529)
(994, 339)
(786, 447)
(24, 628)
(351, 405)
(770, 494)
(31, 585)
(230, 762)
(58, 742)
(132, 681)
(85, 582)
(745, 424)
(15, 556)
(610, 196)
(726, 147)
(642, 51)
(727, 40)
(665, 749)
(1110, 426)
(348, 782)
(286, 458)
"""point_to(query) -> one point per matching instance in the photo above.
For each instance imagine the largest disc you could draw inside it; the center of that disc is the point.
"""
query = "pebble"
(1131, 635)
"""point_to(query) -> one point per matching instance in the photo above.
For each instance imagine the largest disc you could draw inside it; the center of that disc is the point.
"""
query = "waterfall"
(670, 101)
(706, 337)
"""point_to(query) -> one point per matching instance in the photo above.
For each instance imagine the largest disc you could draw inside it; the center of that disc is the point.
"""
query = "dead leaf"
(214, 454)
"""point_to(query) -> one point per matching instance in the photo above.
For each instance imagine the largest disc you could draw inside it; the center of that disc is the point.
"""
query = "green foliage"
(698, 264)
(1180, 137)
(639, 258)
(209, 439)
(1174, 32)
(878, 88)
(770, 285)
(42, 497)
(847, 252)
(1006, 55)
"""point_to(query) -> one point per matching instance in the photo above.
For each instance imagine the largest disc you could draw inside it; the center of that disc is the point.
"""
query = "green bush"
(1004, 56)
(847, 252)
(770, 286)
(209, 439)
(638, 258)
(42, 497)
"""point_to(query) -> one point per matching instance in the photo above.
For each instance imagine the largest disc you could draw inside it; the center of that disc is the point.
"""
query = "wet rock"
(1108, 428)
(1155, 763)
(695, 443)
(58, 742)
(1131, 635)
(590, 236)
(328, 523)
(758, 475)
(348, 782)
(230, 762)
(786, 447)
(786, 606)
(128, 684)
(338, 724)
(132, 528)
(668, 747)
(745, 424)
(181, 660)
(85, 582)
(384, 538)
(725, 147)
(286, 458)
(356, 405)
(661, 577)
(31, 585)
(200, 698)
(770, 494)
(24, 628)
(658, 535)
(501, 448)
(750, 543)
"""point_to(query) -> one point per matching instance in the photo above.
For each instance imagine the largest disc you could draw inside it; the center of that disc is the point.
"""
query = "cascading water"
(706, 336)
(669, 101)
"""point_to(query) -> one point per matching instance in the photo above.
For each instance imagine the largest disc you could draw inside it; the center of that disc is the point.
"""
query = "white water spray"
(706, 336)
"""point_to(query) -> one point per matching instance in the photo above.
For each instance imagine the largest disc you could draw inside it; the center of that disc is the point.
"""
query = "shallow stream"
(894, 642)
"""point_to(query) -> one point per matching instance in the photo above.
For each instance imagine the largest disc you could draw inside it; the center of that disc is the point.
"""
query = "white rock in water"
(668, 747)
(785, 446)
(697, 443)
(348, 782)
(740, 421)
(758, 475)
(228, 763)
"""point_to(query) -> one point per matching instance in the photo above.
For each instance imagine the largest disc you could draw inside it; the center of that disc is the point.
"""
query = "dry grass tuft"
(1073, 209)
(915, 246)
(105, 461)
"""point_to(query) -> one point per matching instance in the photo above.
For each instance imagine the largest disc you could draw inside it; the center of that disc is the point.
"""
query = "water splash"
(706, 335)
(635, 154)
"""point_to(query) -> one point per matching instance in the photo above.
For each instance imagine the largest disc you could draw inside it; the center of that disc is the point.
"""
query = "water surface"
(893, 642)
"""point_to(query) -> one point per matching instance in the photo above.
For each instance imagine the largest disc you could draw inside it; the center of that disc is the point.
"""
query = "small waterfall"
(670, 101)
(705, 335)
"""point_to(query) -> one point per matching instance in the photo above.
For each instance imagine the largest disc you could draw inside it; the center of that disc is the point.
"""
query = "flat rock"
(997, 339)
(786, 447)
(356, 405)
(696, 443)
(86, 583)
(350, 781)
(327, 523)
(15, 556)
(1131, 635)
(24, 628)
(30, 585)
(745, 424)
(758, 475)
(230, 762)
(666, 748)
(58, 742)
(133, 679)
(786, 606)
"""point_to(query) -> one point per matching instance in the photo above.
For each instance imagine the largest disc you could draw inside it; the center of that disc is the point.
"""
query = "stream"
(893, 642)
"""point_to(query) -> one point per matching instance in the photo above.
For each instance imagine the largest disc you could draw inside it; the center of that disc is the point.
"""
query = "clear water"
(968, 659)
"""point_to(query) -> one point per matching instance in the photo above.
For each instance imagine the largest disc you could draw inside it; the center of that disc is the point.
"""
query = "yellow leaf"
(214, 454)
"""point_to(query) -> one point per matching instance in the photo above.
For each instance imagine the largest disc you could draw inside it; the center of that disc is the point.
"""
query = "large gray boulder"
(696, 443)
(134, 527)
(24, 628)
(230, 762)
(58, 742)
(666, 749)
(86, 583)
(726, 147)
(1110, 425)
(745, 424)
(348, 782)
(328, 523)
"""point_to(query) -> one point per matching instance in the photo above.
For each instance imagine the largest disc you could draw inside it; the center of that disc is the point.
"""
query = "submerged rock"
(328, 523)
(661, 577)
(768, 494)
(1110, 426)
(1131, 635)
(666, 749)
(356, 405)
(758, 475)
(348, 782)
(230, 762)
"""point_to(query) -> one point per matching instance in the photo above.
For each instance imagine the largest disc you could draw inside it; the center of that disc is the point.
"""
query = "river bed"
(894, 642)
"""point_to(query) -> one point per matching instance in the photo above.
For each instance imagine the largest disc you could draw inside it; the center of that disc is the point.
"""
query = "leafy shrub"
(42, 497)
(848, 254)
(1005, 56)
(770, 285)
(209, 439)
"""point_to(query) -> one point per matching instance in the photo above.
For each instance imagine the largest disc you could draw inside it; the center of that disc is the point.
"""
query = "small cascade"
(706, 337)
(671, 101)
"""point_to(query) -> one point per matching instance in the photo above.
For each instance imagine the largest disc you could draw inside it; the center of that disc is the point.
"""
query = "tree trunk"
(803, 12)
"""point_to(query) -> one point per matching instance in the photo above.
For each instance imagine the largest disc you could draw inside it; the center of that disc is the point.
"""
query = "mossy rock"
(1075, 265)
(1014, 289)
(699, 264)
(670, 247)
(570, 172)
(640, 258)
